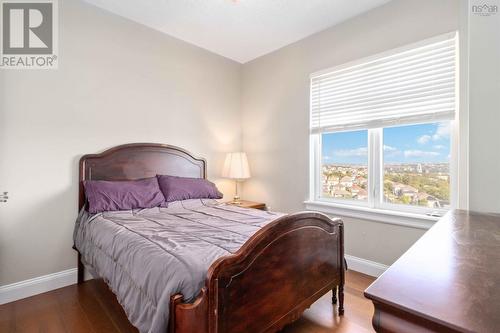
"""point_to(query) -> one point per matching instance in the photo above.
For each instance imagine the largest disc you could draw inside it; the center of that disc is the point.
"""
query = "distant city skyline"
(422, 143)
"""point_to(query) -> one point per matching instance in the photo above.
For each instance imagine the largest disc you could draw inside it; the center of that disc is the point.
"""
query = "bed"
(200, 265)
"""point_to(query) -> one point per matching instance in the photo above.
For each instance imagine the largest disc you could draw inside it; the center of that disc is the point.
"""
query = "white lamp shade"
(236, 166)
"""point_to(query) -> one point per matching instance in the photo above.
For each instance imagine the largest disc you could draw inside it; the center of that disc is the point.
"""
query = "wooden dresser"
(448, 281)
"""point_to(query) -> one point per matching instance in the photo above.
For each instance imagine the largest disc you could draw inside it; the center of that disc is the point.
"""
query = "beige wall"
(275, 110)
(117, 82)
(484, 110)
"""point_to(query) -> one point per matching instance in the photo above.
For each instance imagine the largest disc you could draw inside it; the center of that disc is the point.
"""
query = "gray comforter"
(148, 255)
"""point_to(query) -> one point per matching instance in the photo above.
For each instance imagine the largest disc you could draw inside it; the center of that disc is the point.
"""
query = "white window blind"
(410, 84)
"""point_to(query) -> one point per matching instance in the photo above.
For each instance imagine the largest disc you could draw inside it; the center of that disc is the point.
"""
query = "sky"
(423, 143)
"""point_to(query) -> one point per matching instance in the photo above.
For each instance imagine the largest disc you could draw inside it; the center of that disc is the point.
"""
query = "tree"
(406, 200)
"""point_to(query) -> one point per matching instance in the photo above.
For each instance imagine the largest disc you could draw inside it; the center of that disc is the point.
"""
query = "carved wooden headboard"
(139, 160)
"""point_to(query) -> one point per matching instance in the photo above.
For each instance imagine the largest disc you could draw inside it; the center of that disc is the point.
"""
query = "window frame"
(375, 188)
(317, 184)
(459, 150)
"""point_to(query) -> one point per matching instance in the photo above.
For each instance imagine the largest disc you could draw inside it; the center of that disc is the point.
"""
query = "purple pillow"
(182, 188)
(105, 195)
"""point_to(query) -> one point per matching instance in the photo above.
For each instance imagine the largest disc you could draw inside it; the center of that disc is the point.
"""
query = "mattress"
(146, 256)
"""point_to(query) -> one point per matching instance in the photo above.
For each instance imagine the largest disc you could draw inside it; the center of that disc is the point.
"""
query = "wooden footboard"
(270, 281)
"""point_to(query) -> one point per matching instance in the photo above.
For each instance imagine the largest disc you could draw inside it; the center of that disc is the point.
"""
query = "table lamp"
(236, 167)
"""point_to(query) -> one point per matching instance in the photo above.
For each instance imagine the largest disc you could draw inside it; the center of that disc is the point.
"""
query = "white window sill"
(405, 219)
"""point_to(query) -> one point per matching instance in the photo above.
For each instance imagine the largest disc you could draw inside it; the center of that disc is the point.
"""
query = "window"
(382, 129)
(344, 169)
(417, 165)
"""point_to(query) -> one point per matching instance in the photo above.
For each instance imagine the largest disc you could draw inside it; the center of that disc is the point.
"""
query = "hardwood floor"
(321, 318)
(92, 308)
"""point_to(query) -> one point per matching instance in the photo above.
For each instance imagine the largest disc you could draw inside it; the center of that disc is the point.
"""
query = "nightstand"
(249, 204)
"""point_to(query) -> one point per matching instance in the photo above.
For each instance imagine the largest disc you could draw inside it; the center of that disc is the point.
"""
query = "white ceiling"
(241, 30)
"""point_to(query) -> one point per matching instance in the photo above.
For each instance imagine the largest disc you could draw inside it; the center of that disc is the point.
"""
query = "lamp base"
(236, 200)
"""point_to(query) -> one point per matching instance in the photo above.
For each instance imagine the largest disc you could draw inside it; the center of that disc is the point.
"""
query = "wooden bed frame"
(277, 274)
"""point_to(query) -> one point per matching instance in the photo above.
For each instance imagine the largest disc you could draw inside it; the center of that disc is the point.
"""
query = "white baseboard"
(365, 266)
(42, 284)
(38, 285)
